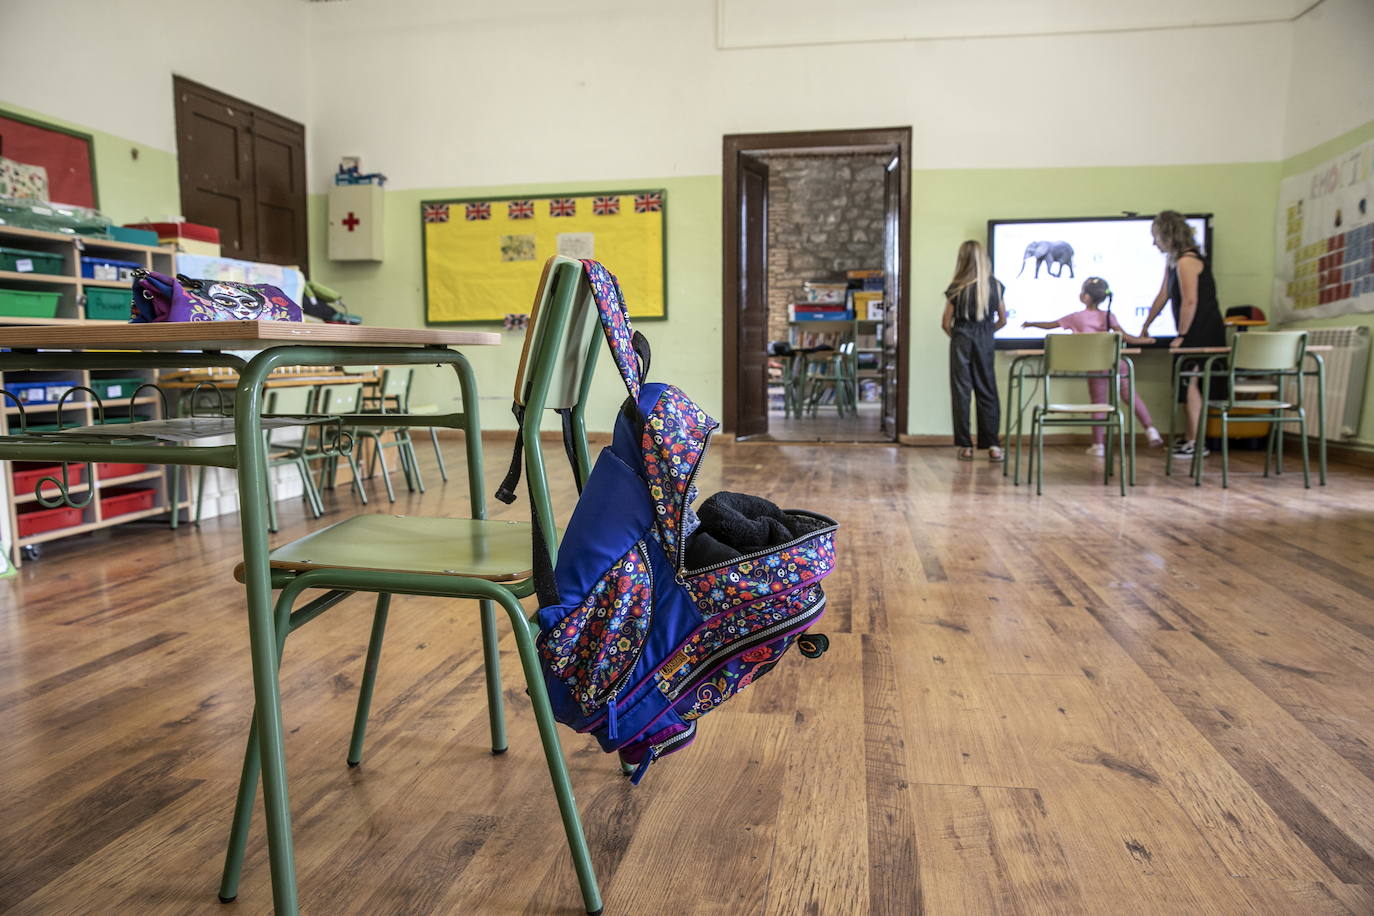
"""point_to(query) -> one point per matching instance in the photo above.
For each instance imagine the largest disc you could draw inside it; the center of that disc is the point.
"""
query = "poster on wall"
(483, 257)
(1325, 239)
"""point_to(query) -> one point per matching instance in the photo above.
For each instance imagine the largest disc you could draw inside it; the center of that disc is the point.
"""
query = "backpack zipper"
(612, 730)
(762, 636)
(767, 550)
(658, 750)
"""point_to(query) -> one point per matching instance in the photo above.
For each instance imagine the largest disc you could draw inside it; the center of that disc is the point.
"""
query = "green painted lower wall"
(133, 181)
(1364, 437)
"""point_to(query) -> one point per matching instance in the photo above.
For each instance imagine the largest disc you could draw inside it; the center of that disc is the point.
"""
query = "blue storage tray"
(124, 269)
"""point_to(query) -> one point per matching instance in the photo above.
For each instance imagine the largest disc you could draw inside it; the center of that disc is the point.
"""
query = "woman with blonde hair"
(1192, 292)
(975, 309)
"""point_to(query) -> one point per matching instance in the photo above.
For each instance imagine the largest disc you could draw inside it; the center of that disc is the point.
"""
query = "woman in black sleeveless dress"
(1192, 292)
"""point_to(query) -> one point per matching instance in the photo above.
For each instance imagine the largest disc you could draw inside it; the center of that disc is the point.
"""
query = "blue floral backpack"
(660, 612)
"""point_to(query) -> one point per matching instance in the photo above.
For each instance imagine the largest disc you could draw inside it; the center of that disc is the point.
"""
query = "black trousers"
(971, 371)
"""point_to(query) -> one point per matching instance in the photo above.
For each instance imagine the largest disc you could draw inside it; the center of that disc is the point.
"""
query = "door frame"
(812, 141)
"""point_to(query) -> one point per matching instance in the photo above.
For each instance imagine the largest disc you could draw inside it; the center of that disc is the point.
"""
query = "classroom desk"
(1023, 365)
(155, 346)
(1179, 374)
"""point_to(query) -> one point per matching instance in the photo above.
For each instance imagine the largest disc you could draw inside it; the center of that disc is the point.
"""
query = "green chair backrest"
(562, 343)
(1269, 350)
(396, 383)
(337, 399)
(292, 399)
(573, 348)
(1081, 353)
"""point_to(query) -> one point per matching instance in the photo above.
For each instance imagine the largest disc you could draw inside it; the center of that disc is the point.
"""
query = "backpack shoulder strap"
(629, 348)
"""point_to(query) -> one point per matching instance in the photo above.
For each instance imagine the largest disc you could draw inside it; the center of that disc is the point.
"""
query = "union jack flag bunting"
(605, 206)
(475, 212)
(436, 213)
(562, 206)
(649, 203)
(520, 209)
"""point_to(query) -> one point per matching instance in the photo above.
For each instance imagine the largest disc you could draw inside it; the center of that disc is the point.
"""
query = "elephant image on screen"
(1056, 253)
(1044, 263)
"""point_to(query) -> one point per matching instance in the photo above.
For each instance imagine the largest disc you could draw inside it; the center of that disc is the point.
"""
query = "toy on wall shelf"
(350, 172)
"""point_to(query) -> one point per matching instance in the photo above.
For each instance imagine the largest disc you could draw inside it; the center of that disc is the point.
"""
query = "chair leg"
(271, 502)
(386, 471)
(1302, 434)
(491, 660)
(438, 453)
(553, 754)
(1225, 450)
(1038, 432)
(312, 496)
(200, 492)
(374, 656)
(1121, 457)
(1269, 448)
(407, 448)
(248, 778)
(357, 478)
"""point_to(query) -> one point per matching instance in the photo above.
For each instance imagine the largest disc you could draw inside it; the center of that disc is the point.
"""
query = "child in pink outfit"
(1092, 320)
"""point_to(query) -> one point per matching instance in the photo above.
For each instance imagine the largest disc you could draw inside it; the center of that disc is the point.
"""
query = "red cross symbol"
(351, 221)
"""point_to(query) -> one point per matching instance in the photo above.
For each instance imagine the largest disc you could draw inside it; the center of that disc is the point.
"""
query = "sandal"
(995, 454)
(965, 454)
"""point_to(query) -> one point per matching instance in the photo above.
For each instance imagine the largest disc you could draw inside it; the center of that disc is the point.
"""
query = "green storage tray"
(111, 388)
(30, 262)
(108, 303)
(28, 303)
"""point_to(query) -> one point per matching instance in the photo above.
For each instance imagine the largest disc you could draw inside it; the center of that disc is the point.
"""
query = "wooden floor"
(828, 426)
(1074, 704)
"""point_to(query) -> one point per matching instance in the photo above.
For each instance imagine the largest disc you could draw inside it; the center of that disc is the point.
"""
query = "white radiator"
(1346, 365)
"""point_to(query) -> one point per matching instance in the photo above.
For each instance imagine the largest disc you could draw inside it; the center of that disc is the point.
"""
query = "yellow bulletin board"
(483, 257)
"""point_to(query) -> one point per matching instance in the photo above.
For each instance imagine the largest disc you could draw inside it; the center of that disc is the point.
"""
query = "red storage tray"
(28, 473)
(123, 500)
(38, 520)
(109, 469)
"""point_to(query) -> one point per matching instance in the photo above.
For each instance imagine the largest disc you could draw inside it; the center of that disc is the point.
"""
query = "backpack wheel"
(813, 645)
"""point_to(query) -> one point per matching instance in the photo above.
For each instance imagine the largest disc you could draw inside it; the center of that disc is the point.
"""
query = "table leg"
(1012, 399)
(252, 479)
(1173, 419)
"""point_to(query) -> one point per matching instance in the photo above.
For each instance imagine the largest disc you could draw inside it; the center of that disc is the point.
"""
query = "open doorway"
(816, 231)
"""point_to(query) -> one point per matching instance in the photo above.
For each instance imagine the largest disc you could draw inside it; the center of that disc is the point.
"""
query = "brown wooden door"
(242, 171)
(752, 397)
(892, 272)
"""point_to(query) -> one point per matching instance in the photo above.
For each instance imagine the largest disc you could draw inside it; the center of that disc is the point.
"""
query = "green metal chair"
(336, 400)
(393, 396)
(1080, 356)
(1261, 360)
(473, 558)
(280, 453)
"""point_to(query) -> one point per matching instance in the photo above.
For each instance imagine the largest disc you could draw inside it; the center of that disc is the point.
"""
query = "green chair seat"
(1078, 408)
(498, 551)
(1252, 404)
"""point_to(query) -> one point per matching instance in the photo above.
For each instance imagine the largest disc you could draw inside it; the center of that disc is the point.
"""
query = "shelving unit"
(71, 310)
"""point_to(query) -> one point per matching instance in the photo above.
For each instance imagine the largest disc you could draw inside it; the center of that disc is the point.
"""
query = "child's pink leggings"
(1097, 390)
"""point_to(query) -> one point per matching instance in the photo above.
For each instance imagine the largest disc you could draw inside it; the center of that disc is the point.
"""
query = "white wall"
(108, 64)
(439, 94)
(1331, 88)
